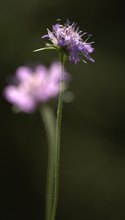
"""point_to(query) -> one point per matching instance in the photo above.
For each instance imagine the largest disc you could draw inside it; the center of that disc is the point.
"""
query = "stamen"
(88, 37)
(58, 20)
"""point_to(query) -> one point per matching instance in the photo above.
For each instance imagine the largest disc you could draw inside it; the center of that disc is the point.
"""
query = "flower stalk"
(58, 137)
(49, 123)
(53, 132)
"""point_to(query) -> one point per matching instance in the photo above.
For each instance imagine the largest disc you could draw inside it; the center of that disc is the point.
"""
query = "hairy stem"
(57, 144)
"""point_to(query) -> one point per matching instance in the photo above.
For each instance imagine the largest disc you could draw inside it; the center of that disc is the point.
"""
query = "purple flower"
(69, 38)
(34, 86)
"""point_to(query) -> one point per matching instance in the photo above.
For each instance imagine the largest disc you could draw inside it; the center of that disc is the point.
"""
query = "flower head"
(34, 86)
(69, 38)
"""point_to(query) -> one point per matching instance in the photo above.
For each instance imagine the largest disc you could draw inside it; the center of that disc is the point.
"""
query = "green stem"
(57, 144)
(49, 123)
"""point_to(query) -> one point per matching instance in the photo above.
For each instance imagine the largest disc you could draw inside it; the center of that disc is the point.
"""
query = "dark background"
(92, 179)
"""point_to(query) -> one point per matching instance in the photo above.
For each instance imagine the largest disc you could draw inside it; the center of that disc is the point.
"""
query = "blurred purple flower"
(69, 38)
(34, 86)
